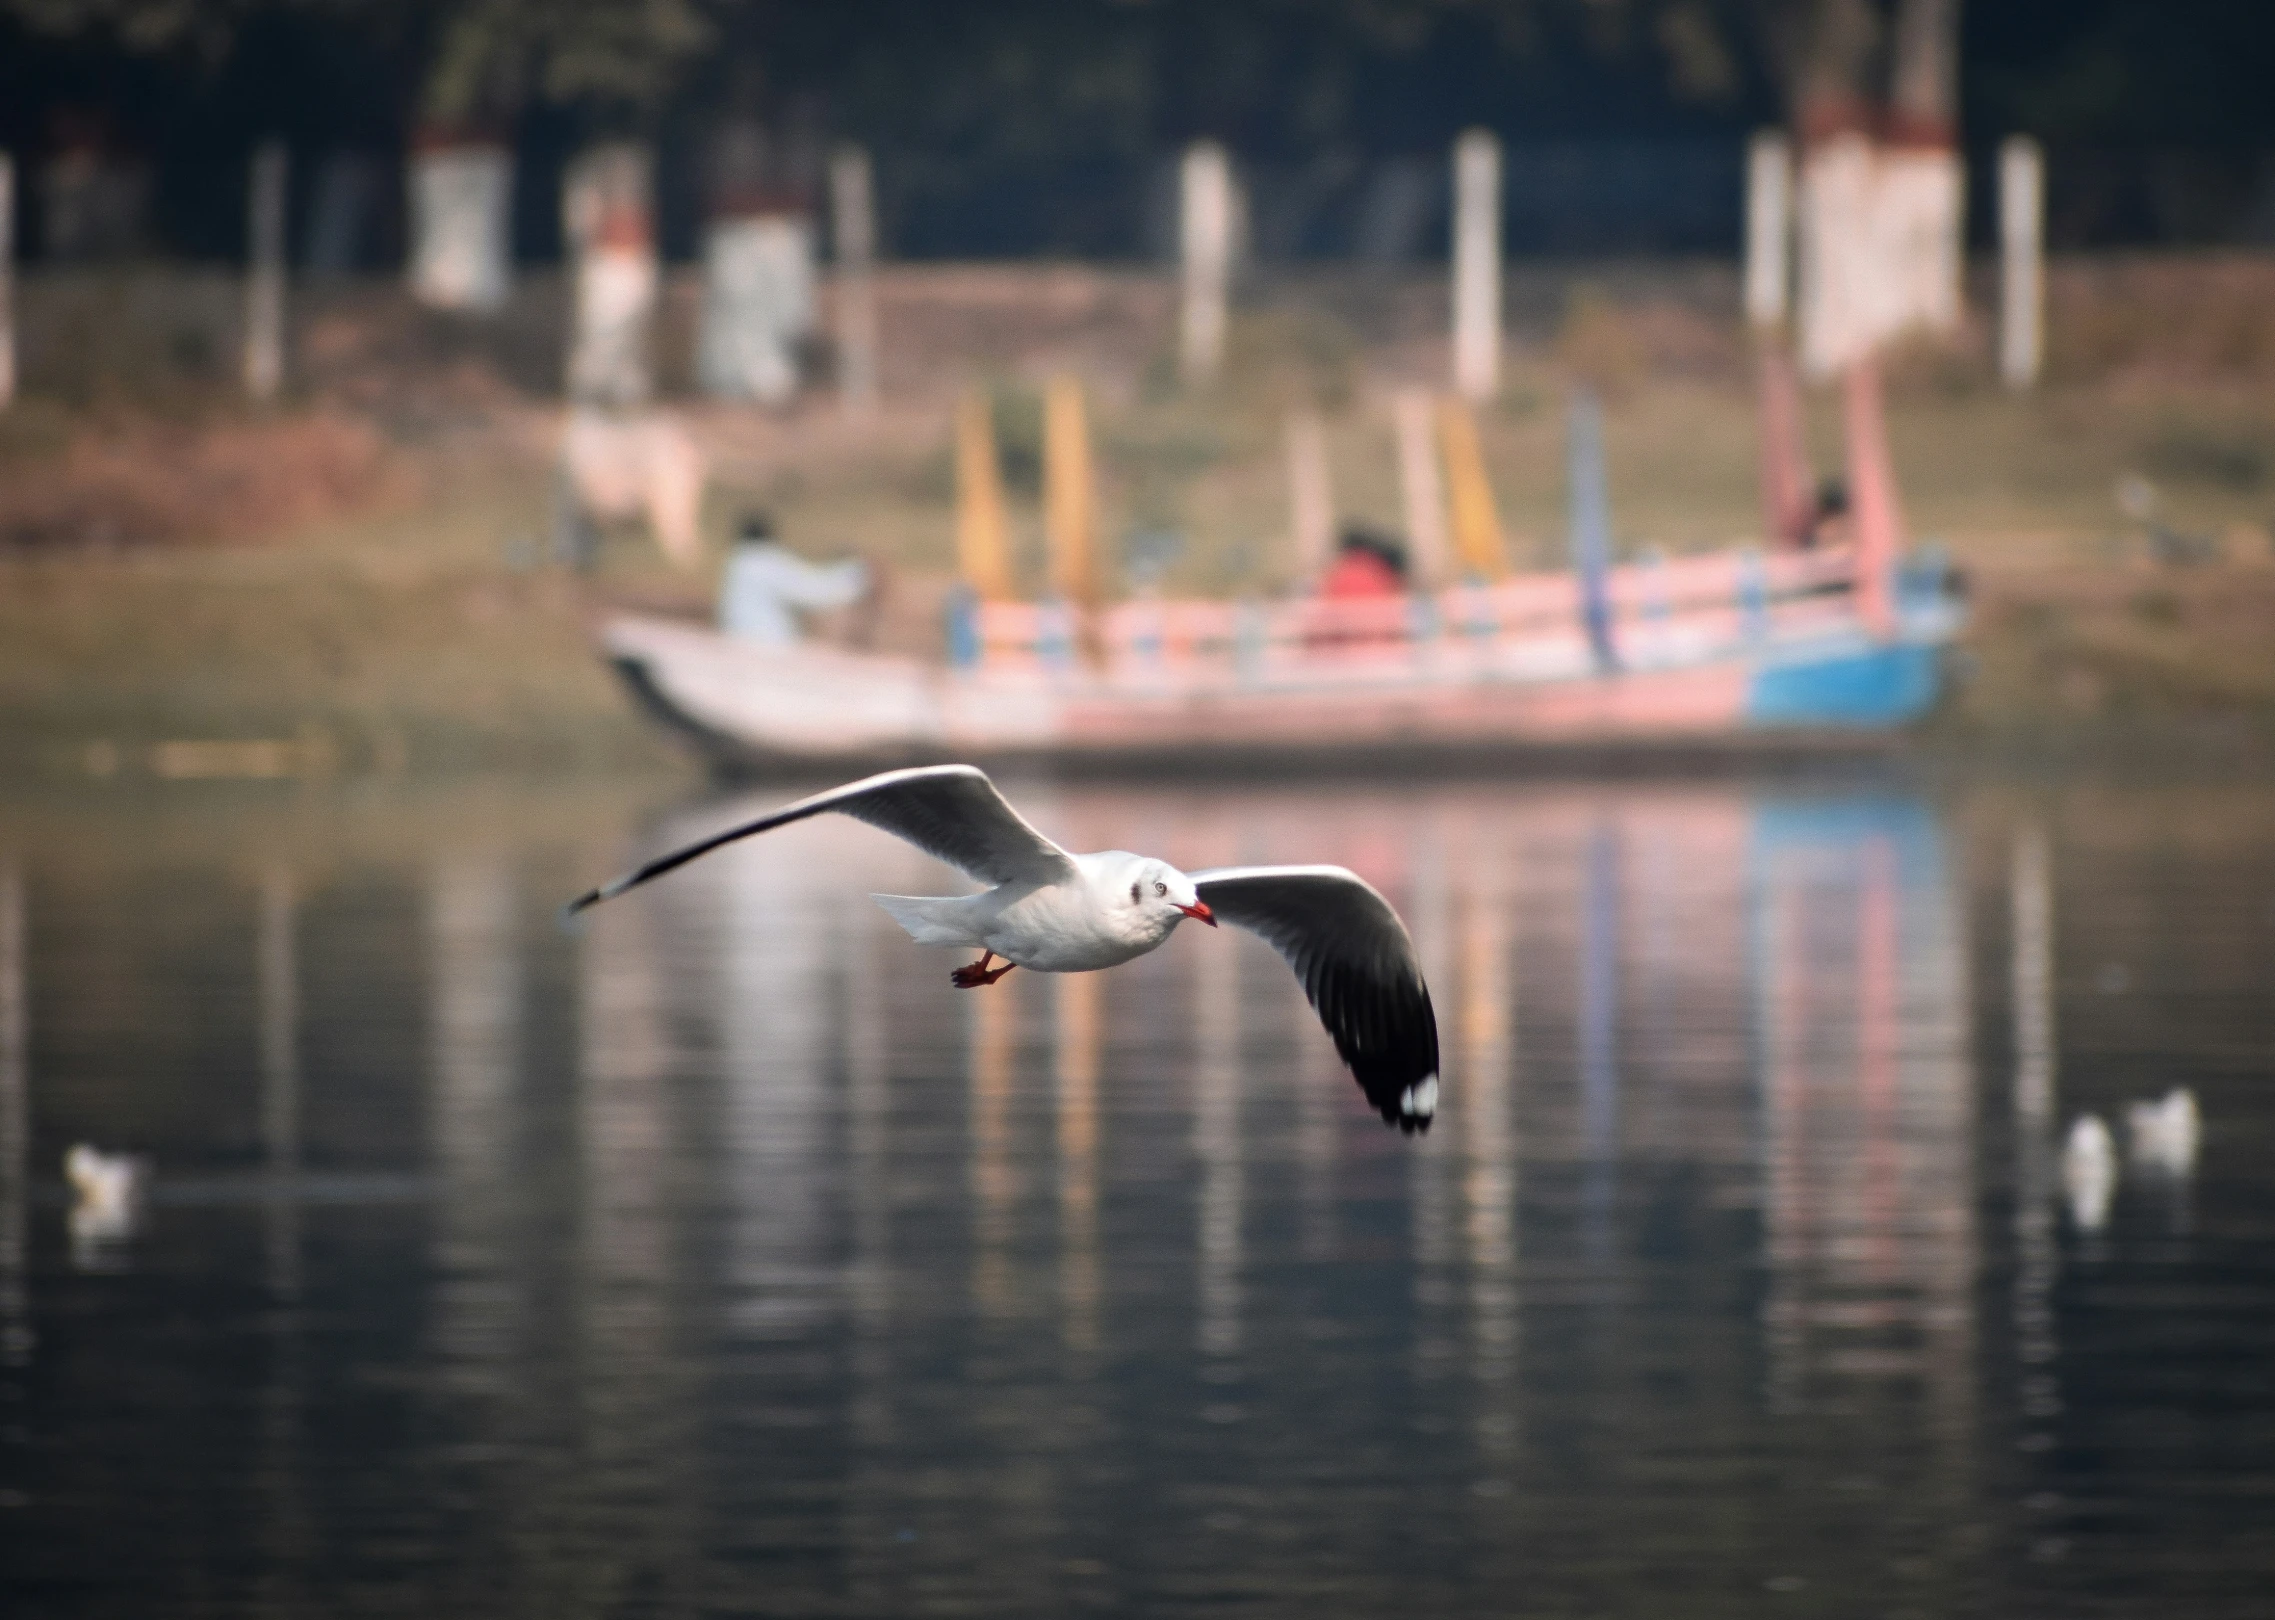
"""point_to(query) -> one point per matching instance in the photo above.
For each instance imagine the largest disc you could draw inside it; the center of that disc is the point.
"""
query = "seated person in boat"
(1369, 574)
(1827, 523)
(767, 584)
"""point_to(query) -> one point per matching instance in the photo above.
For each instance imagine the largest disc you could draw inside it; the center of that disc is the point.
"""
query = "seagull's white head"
(1154, 893)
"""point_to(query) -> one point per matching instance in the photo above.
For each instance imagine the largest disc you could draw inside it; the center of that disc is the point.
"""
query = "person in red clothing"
(1368, 567)
(1367, 563)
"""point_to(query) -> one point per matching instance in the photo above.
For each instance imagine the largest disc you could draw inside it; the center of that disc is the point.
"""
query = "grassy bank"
(412, 641)
(359, 581)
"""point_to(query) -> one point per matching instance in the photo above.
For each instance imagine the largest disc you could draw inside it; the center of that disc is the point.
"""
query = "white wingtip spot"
(1420, 1101)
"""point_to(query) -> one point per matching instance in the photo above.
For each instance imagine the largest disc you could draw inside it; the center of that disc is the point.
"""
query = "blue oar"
(1588, 500)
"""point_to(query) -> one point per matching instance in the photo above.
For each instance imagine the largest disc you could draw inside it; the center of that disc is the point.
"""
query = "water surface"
(723, 1259)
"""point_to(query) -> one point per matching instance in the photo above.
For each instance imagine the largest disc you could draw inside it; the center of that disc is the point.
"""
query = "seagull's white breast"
(1077, 926)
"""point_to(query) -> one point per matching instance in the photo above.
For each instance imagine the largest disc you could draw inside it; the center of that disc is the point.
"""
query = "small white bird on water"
(2165, 1133)
(2089, 1172)
(108, 1191)
(1056, 912)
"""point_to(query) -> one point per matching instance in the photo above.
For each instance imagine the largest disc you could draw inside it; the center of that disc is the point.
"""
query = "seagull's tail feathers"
(931, 919)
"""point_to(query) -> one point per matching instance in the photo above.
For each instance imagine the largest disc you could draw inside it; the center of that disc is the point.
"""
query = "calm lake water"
(723, 1259)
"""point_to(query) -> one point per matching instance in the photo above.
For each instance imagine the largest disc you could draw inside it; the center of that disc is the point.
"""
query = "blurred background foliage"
(1020, 127)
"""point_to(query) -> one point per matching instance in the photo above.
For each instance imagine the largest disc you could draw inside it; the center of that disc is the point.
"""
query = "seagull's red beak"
(1199, 911)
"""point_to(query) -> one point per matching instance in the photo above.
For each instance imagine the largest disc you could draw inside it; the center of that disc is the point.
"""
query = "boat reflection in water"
(724, 1255)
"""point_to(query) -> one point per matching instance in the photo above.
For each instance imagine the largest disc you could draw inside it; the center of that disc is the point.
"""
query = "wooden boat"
(1775, 649)
(1721, 650)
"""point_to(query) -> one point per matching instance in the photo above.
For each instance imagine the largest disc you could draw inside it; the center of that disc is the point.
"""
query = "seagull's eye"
(1161, 888)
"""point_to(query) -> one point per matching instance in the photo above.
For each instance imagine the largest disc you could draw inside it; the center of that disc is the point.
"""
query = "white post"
(264, 282)
(1839, 304)
(1922, 182)
(1919, 207)
(612, 236)
(1420, 485)
(461, 205)
(758, 273)
(758, 302)
(7, 279)
(1769, 228)
(2022, 215)
(1205, 241)
(853, 229)
(1477, 266)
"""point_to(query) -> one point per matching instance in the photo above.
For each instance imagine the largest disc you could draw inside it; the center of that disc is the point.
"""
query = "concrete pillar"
(611, 234)
(1769, 229)
(758, 302)
(853, 232)
(2022, 218)
(1919, 201)
(264, 277)
(461, 207)
(1420, 487)
(7, 279)
(1477, 266)
(1205, 243)
(758, 273)
(1924, 183)
(1311, 495)
(1838, 306)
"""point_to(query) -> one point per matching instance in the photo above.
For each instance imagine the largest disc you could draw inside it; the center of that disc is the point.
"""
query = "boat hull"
(753, 709)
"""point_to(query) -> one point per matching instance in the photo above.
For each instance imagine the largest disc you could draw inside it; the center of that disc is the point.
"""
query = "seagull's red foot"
(974, 974)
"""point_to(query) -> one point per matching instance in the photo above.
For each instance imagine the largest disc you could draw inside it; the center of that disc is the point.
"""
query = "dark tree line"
(1028, 125)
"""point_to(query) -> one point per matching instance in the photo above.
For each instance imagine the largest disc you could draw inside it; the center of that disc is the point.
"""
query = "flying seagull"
(1055, 912)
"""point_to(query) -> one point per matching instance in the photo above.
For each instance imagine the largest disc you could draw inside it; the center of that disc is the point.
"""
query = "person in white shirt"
(767, 583)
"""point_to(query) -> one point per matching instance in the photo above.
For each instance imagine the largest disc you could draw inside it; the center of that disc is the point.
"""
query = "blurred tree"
(619, 59)
(483, 59)
(1038, 125)
(206, 28)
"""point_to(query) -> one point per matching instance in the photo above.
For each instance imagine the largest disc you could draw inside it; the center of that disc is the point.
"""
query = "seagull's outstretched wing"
(1358, 967)
(951, 812)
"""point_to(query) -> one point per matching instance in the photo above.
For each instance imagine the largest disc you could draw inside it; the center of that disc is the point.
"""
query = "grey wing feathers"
(1356, 964)
(951, 812)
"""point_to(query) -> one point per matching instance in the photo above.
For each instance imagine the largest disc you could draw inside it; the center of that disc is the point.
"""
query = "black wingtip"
(571, 917)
